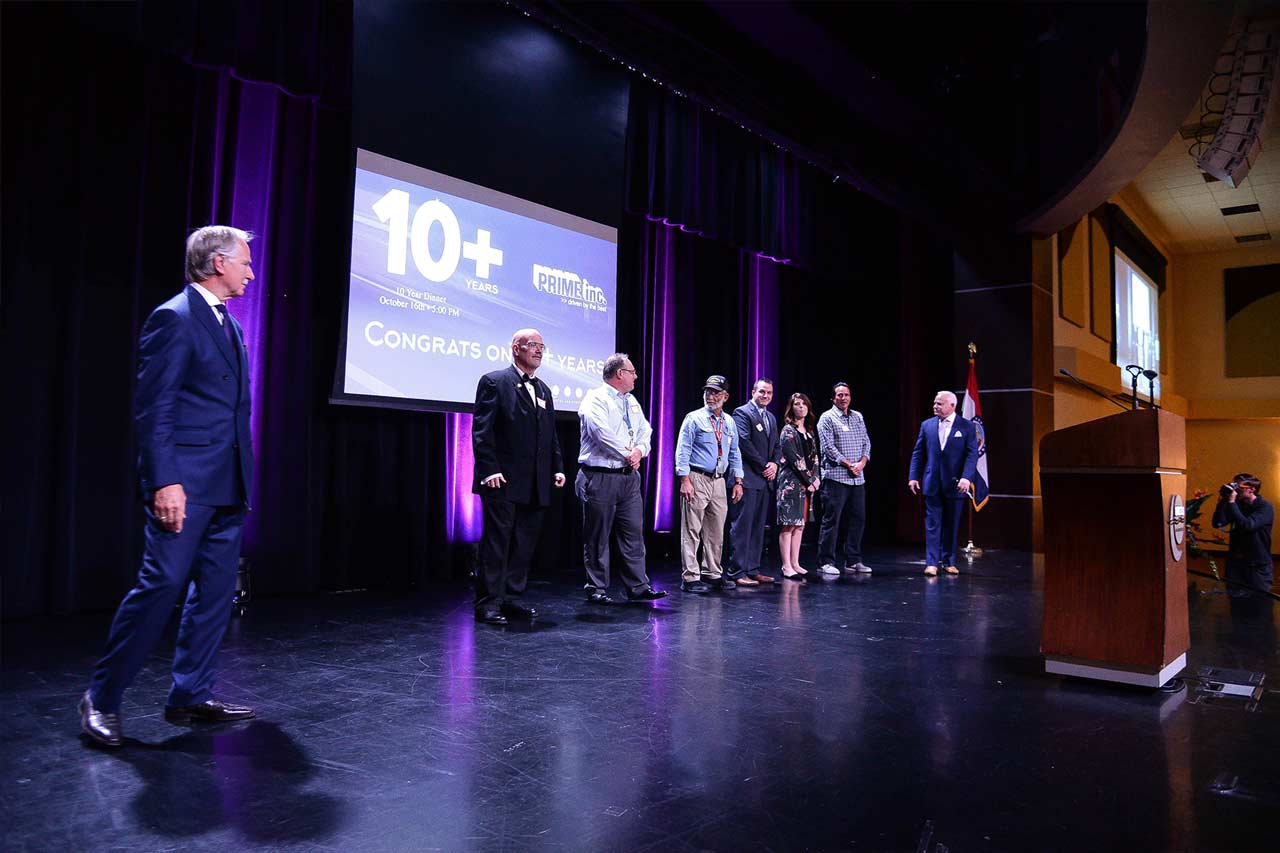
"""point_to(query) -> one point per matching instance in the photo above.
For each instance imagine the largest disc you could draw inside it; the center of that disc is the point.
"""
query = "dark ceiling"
(938, 109)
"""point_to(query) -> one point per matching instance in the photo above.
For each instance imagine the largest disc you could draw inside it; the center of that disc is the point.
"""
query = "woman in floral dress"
(797, 481)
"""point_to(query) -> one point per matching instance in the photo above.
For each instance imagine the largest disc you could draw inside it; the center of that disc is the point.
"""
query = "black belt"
(712, 474)
(600, 469)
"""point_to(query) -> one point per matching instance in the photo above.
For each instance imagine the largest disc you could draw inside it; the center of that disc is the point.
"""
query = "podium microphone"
(1151, 386)
(1135, 371)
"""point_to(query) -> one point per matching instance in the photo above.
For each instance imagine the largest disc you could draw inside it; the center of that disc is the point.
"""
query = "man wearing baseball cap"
(706, 453)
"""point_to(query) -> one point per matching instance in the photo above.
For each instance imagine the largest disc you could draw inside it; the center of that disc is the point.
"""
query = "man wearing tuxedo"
(517, 461)
(943, 465)
(195, 465)
(758, 444)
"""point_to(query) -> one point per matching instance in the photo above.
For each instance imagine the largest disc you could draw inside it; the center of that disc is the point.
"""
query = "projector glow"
(442, 273)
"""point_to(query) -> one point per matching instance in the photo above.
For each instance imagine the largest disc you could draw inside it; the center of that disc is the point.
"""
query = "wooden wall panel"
(1073, 275)
(1101, 266)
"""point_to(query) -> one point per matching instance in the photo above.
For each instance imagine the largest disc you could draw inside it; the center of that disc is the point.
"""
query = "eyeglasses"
(630, 370)
(536, 347)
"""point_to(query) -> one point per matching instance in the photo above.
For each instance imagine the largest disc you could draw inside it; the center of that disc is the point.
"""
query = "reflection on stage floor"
(882, 712)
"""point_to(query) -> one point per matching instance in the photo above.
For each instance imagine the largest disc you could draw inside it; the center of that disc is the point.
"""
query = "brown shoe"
(747, 580)
(952, 570)
(930, 570)
(762, 578)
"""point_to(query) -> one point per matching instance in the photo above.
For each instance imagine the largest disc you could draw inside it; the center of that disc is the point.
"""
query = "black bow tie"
(525, 379)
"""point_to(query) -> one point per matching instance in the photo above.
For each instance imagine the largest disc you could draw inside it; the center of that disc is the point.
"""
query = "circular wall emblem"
(1177, 526)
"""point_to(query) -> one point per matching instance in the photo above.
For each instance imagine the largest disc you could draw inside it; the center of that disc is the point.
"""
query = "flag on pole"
(972, 410)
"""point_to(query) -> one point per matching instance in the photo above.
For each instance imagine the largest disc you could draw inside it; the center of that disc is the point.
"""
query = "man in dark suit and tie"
(195, 465)
(758, 434)
(943, 466)
(517, 461)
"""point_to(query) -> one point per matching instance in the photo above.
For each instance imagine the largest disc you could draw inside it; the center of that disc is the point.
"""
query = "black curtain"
(690, 167)
(109, 159)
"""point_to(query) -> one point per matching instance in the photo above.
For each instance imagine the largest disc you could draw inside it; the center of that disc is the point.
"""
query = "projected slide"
(442, 273)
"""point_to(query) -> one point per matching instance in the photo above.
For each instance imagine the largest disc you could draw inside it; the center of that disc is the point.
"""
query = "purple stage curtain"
(703, 307)
(108, 165)
(689, 167)
(463, 515)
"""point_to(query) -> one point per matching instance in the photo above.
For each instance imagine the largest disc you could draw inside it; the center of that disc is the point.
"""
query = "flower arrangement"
(1196, 534)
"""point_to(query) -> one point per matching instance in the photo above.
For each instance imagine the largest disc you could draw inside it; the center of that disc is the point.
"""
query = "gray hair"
(614, 363)
(207, 243)
(951, 397)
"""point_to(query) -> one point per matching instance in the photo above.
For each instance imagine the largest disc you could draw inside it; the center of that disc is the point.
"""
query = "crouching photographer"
(1243, 509)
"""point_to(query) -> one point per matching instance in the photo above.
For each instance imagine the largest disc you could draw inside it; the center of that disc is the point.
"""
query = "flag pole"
(971, 551)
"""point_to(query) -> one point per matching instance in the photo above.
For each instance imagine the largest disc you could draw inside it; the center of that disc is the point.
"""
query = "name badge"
(542, 404)
(760, 427)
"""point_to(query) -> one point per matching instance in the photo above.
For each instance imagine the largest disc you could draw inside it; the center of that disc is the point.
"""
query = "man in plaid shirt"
(846, 448)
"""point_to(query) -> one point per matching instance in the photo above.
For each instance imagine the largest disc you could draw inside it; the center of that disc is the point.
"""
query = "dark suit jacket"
(192, 404)
(758, 444)
(939, 470)
(511, 436)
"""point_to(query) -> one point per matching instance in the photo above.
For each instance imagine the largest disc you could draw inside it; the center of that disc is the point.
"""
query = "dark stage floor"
(887, 712)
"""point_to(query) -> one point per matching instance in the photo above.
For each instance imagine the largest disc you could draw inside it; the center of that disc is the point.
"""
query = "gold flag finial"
(973, 350)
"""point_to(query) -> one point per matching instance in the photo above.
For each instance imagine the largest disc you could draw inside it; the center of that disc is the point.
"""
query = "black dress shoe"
(694, 586)
(513, 610)
(491, 616)
(722, 583)
(646, 594)
(102, 728)
(209, 711)
(599, 596)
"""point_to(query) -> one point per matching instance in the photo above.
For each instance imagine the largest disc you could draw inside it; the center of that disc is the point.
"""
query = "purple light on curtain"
(659, 335)
(247, 136)
(463, 519)
(762, 318)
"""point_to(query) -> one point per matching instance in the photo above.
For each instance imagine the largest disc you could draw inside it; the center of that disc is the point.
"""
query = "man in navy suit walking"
(943, 466)
(195, 464)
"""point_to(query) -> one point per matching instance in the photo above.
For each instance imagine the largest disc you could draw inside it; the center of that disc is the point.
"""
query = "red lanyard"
(718, 426)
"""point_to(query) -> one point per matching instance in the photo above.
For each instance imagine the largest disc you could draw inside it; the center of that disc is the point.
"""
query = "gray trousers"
(612, 506)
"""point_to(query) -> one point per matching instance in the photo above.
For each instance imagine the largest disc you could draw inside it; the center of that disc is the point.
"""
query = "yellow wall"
(1199, 317)
(1233, 424)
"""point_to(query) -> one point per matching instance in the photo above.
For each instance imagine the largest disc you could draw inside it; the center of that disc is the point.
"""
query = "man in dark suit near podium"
(195, 465)
(943, 466)
(758, 444)
(517, 461)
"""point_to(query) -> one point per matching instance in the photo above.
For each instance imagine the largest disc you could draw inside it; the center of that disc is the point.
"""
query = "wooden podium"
(1115, 578)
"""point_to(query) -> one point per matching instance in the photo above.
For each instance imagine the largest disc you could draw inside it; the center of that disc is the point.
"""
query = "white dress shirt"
(944, 429)
(606, 438)
(213, 301)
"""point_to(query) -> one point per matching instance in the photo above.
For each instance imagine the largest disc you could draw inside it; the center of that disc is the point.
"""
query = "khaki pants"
(702, 520)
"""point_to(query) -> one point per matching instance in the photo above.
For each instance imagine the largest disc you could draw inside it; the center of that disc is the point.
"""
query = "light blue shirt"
(696, 446)
(607, 438)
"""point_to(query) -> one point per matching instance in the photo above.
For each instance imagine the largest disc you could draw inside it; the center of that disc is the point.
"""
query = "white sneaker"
(862, 567)
(829, 569)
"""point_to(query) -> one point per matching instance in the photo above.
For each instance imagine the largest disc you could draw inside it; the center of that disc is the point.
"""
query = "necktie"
(626, 409)
(226, 326)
